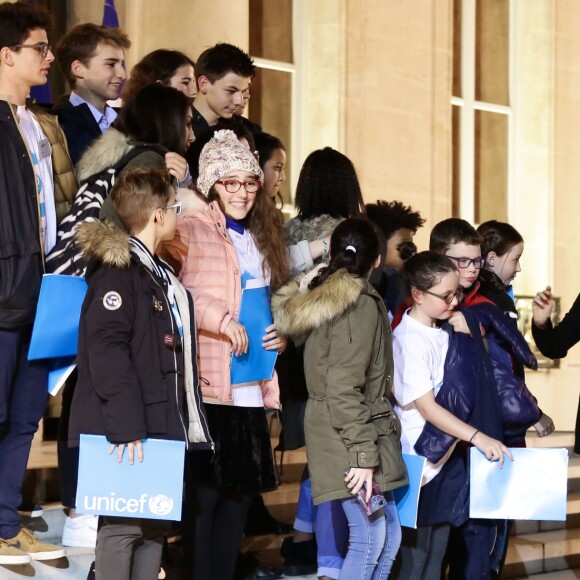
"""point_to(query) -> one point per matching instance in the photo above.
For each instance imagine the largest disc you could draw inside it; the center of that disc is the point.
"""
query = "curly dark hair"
(391, 216)
(17, 19)
(328, 184)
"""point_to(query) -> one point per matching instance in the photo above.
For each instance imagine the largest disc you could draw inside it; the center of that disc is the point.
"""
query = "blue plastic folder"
(532, 487)
(151, 490)
(255, 314)
(407, 497)
(56, 326)
(59, 370)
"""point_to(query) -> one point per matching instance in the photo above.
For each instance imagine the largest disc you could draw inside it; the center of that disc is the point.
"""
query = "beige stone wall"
(397, 112)
(186, 25)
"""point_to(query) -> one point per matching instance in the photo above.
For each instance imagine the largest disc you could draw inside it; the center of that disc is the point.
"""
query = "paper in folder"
(152, 489)
(56, 326)
(255, 314)
(532, 487)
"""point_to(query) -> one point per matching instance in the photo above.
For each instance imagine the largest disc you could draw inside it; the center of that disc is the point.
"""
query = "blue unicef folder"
(255, 314)
(56, 326)
(152, 489)
(532, 487)
(407, 497)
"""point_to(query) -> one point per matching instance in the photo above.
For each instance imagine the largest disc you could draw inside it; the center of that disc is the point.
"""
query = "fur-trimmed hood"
(298, 311)
(310, 229)
(104, 242)
(104, 153)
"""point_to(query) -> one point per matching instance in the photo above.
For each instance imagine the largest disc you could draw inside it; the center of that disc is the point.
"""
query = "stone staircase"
(537, 549)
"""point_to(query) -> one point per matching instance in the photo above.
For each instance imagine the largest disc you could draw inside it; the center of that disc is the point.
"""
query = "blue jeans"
(373, 542)
(23, 396)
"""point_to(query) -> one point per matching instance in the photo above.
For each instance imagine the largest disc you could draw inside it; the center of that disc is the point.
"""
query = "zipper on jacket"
(349, 329)
(179, 411)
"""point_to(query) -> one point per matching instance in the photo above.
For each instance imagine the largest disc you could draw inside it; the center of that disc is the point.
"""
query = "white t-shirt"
(419, 352)
(41, 155)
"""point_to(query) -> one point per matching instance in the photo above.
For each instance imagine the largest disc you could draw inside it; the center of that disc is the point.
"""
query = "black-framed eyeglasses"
(466, 262)
(177, 206)
(43, 48)
(447, 298)
(233, 185)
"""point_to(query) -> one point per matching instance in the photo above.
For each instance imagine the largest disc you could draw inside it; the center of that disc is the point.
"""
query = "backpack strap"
(136, 151)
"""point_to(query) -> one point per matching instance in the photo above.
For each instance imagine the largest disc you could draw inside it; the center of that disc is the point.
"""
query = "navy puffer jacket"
(483, 389)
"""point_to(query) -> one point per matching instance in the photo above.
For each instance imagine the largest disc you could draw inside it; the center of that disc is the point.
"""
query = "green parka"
(348, 363)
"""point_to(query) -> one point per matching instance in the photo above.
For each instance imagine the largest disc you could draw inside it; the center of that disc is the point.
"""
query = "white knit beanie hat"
(223, 155)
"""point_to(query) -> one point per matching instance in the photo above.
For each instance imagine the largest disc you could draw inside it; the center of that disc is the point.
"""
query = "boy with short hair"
(458, 239)
(137, 360)
(399, 224)
(27, 232)
(92, 58)
(223, 75)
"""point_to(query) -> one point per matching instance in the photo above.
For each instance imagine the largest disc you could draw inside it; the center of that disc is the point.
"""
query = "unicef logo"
(160, 505)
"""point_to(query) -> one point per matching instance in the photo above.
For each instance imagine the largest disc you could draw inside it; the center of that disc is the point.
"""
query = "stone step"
(544, 552)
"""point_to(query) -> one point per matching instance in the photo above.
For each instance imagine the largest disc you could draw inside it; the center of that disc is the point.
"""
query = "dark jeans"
(422, 551)
(23, 397)
(68, 457)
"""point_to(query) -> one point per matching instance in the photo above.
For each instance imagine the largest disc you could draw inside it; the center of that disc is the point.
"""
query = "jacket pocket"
(155, 403)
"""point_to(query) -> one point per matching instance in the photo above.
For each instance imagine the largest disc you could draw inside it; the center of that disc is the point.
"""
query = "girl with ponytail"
(352, 432)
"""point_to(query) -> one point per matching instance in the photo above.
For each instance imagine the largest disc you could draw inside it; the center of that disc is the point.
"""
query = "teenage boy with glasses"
(27, 232)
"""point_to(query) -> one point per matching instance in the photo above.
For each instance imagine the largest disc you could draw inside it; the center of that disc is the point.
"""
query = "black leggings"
(218, 529)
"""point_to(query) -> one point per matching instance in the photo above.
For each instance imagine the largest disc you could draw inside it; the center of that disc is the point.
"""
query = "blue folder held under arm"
(56, 326)
(255, 314)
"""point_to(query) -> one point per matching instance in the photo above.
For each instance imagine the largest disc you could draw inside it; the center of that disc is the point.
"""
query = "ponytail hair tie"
(350, 249)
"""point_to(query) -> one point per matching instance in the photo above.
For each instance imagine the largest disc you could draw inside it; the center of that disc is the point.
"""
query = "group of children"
(189, 223)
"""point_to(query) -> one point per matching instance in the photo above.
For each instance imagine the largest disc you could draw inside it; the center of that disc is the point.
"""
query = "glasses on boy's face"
(177, 206)
(41, 47)
(466, 262)
(447, 298)
(233, 186)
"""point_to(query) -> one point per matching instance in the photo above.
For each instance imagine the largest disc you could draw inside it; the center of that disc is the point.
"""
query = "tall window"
(271, 46)
(482, 115)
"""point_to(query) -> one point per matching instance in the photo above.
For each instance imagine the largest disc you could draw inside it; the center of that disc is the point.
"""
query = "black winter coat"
(130, 356)
(21, 261)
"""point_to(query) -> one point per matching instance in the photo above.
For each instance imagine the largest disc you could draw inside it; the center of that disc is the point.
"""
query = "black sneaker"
(299, 557)
(30, 509)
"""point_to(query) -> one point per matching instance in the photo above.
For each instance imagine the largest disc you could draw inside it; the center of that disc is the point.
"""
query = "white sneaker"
(80, 532)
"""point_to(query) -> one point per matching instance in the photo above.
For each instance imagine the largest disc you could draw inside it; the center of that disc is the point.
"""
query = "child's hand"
(238, 337)
(542, 307)
(491, 448)
(272, 341)
(176, 165)
(545, 426)
(130, 451)
(357, 477)
(457, 320)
